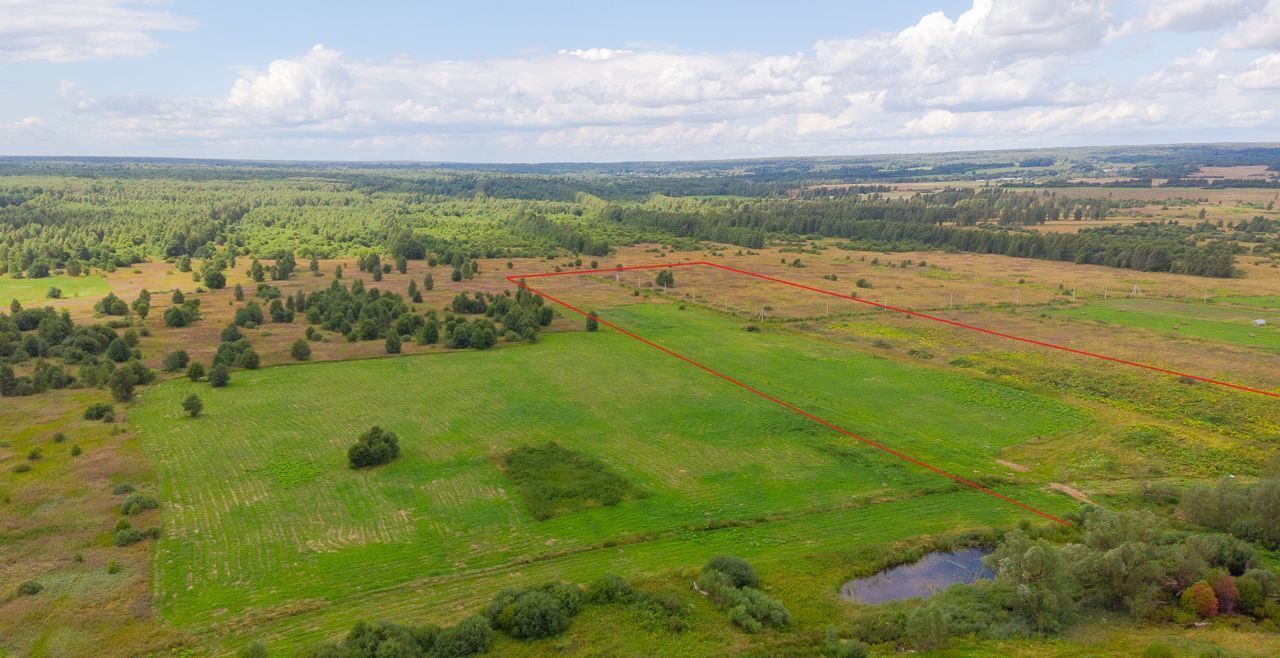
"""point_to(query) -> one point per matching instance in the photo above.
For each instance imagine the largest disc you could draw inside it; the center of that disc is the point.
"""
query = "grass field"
(33, 292)
(266, 526)
(1205, 321)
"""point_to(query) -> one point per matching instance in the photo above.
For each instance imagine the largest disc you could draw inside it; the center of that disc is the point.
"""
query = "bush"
(175, 361)
(195, 371)
(928, 626)
(471, 636)
(375, 447)
(127, 537)
(1159, 651)
(122, 489)
(29, 588)
(22, 467)
(837, 648)
(739, 572)
(192, 405)
(534, 615)
(99, 411)
(610, 588)
(300, 350)
(219, 376)
(1200, 599)
(75, 451)
(137, 503)
(393, 344)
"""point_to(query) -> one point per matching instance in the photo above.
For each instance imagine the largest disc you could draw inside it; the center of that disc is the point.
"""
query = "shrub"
(192, 405)
(35, 454)
(29, 588)
(534, 615)
(610, 588)
(300, 350)
(471, 636)
(375, 447)
(75, 451)
(59, 437)
(1159, 651)
(22, 467)
(122, 488)
(837, 648)
(739, 572)
(175, 361)
(1224, 589)
(137, 503)
(219, 376)
(1200, 599)
(99, 411)
(393, 344)
(195, 371)
(127, 537)
(928, 626)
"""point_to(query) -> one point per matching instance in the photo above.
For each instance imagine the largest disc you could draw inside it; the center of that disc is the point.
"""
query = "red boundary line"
(518, 280)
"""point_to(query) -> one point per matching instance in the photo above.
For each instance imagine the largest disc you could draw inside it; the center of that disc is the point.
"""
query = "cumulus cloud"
(1260, 29)
(1001, 73)
(79, 30)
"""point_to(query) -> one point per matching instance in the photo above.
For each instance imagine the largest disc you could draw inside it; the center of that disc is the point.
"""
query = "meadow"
(34, 292)
(266, 524)
(1212, 322)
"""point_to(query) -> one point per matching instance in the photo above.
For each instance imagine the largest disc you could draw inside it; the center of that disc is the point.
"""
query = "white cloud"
(78, 30)
(1259, 30)
(1265, 74)
(1002, 73)
(1197, 15)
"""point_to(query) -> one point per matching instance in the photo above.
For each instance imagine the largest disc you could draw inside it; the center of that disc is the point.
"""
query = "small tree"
(300, 350)
(393, 344)
(219, 376)
(429, 282)
(121, 384)
(592, 323)
(118, 350)
(377, 446)
(175, 361)
(195, 371)
(192, 405)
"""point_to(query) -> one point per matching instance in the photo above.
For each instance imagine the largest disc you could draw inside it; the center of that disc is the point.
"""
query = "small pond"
(933, 573)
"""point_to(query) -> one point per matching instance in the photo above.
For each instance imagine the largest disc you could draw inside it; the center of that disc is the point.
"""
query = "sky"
(560, 80)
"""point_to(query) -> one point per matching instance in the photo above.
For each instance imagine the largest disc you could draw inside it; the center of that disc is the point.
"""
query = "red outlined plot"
(519, 280)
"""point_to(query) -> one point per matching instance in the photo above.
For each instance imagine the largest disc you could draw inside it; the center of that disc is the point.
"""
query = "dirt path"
(1070, 491)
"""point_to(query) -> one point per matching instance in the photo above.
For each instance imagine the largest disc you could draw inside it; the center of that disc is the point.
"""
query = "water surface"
(933, 573)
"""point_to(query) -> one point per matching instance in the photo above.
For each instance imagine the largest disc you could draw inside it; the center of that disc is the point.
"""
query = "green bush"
(127, 537)
(175, 361)
(22, 467)
(471, 636)
(375, 447)
(739, 572)
(99, 411)
(29, 588)
(1159, 651)
(534, 615)
(122, 488)
(610, 588)
(137, 503)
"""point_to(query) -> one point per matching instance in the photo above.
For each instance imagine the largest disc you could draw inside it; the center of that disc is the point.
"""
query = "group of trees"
(1120, 562)
(44, 333)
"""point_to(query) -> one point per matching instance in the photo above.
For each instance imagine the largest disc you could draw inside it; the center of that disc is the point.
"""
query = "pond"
(933, 573)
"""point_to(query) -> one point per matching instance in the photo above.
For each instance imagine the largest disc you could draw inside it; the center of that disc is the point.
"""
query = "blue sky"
(553, 81)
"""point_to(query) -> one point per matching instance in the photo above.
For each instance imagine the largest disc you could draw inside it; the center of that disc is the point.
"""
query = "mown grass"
(554, 481)
(33, 292)
(1205, 321)
(267, 527)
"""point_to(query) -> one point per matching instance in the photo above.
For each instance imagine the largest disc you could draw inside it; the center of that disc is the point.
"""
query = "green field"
(265, 524)
(1206, 321)
(33, 292)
